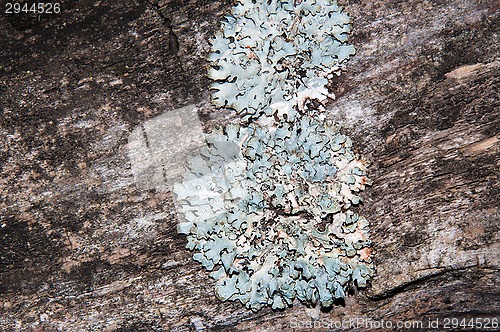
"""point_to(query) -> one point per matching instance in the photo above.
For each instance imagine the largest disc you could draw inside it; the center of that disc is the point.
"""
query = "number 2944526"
(33, 8)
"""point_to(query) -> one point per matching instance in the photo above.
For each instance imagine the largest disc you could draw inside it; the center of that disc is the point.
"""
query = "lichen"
(267, 203)
(269, 52)
(267, 210)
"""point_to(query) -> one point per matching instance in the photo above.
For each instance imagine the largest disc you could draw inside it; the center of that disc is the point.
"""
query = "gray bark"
(87, 244)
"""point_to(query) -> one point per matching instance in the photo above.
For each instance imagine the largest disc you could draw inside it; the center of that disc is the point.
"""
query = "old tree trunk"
(85, 244)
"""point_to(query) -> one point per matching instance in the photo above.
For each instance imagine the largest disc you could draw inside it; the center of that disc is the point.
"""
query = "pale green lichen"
(266, 206)
(271, 54)
(267, 209)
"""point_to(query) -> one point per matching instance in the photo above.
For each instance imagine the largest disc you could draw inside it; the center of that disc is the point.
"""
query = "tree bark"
(88, 243)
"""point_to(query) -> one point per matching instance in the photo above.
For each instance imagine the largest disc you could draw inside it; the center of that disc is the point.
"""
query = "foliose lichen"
(267, 209)
(269, 52)
(267, 204)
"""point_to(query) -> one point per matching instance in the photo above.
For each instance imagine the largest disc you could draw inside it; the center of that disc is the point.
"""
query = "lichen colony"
(267, 202)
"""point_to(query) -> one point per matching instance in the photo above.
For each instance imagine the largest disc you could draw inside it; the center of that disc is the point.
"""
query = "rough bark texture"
(84, 246)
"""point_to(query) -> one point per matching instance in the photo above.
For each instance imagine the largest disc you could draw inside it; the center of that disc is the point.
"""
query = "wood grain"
(84, 246)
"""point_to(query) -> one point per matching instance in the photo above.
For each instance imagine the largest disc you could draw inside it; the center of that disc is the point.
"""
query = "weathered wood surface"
(85, 247)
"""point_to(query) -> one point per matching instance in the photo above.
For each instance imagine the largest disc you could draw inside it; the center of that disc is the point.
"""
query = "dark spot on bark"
(28, 254)
(339, 85)
(85, 274)
(416, 238)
